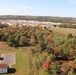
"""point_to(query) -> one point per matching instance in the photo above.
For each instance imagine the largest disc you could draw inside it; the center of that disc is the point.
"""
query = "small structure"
(9, 59)
(3, 68)
(6, 60)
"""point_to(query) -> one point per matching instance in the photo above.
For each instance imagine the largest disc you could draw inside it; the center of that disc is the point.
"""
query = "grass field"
(22, 60)
(64, 31)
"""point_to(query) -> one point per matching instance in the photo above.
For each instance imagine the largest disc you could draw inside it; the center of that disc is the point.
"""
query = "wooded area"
(51, 52)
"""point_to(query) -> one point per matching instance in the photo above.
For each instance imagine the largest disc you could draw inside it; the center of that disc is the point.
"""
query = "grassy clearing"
(22, 60)
(64, 31)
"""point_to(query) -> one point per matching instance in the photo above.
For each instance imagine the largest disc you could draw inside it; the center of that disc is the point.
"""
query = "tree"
(39, 48)
(71, 72)
(17, 39)
(65, 68)
(40, 35)
(49, 49)
(36, 71)
(32, 40)
(71, 53)
(55, 68)
(4, 38)
(45, 64)
(69, 36)
(75, 59)
(65, 53)
(36, 61)
(23, 41)
(44, 72)
(51, 57)
(10, 40)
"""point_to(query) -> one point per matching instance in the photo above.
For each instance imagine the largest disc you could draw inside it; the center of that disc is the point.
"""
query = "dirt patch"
(4, 46)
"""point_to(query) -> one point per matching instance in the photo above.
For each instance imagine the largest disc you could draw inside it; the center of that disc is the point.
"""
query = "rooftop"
(3, 65)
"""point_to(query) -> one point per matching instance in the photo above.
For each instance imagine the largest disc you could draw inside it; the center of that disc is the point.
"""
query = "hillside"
(40, 18)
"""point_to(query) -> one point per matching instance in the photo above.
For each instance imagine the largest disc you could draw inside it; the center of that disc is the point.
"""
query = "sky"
(62, 8)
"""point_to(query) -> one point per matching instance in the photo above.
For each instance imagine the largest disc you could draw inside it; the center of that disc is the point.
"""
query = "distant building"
(3, 68)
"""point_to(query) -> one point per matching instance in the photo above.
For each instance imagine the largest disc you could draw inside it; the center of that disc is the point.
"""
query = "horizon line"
(40, 16)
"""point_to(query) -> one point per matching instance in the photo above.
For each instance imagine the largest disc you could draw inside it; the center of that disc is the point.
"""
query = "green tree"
(69, 36)
(44, 72)
(51, 57)
(36, 71)
(36, 61)
(10, 40)
(23, 41)
(39, 48)
(49, 49)
(55, 68)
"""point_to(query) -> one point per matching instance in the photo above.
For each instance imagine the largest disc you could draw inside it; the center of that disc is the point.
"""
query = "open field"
(22, 59)
(64, 31)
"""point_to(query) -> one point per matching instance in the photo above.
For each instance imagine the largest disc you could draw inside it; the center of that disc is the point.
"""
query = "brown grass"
(4, 46)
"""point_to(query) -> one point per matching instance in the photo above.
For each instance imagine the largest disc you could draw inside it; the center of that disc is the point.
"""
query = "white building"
(3, 68)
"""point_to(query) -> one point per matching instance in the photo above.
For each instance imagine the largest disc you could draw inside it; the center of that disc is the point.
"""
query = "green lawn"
(64, 31)
(22, 60)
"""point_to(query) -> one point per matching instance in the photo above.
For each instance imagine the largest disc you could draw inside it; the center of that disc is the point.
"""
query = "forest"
(53, 53)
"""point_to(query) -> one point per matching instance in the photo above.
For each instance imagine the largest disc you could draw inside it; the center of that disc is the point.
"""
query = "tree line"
(67, 25)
